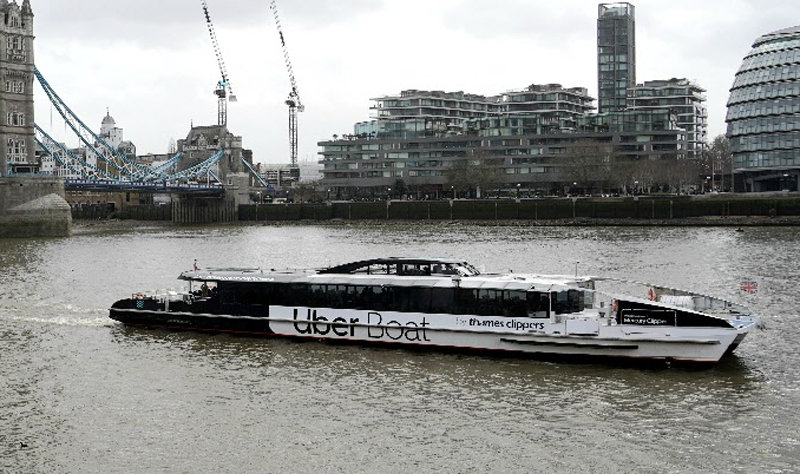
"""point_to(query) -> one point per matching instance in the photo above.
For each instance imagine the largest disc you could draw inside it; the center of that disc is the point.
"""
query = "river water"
(79, 393)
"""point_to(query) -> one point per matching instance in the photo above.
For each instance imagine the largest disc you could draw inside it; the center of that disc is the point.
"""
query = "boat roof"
(394, 271)
(353, 267)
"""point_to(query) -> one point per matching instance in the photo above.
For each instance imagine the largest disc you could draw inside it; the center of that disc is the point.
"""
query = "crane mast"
(293, 101)
(224, 92)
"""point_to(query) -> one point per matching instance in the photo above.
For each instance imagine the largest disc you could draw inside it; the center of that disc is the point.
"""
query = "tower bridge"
(208, 170)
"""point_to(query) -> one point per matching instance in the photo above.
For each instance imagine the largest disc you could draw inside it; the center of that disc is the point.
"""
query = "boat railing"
(672, 297)
(164, 295)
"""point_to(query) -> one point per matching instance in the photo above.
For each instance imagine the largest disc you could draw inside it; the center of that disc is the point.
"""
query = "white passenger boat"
(445, 303)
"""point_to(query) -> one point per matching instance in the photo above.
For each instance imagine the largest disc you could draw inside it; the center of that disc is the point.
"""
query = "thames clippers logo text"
(513, 324)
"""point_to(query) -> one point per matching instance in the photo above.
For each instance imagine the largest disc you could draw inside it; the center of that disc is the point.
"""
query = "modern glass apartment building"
(532, 145)
(764, 114)
(616, 55)
(415, 113)
(535, 138)
(557, 109)
(681, 96)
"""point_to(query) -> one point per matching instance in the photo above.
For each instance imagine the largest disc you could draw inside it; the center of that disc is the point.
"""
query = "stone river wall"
(33, 207)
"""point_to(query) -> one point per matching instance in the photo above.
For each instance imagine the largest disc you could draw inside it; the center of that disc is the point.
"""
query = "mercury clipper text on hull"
(447, 303)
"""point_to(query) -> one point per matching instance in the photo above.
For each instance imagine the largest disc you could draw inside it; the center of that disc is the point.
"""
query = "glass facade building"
(616, 55)
(543, 138)
(557, 109)
(548, 108)
(764, 114)
(520, 150)
(682, 97)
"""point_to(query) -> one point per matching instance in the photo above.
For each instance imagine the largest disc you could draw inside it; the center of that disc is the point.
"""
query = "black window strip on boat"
(484, 302)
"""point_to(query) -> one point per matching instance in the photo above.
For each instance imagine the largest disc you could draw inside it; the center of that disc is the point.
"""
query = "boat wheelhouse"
(448, 303)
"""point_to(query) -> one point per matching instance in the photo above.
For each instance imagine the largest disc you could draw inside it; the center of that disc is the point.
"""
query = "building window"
(15, 119)
(16, 150)
(15, 44)
(15, 50)
(17, 87)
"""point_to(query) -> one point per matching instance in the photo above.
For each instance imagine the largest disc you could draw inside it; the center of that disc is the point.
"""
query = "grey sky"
(152, 62)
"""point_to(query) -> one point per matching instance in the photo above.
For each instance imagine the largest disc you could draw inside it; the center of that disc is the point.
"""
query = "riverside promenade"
(732, 209)
(710, 209)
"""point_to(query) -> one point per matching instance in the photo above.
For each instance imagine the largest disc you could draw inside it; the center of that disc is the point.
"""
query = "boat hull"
(522, 336)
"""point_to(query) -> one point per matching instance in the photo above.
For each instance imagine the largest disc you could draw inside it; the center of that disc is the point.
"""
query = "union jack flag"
(750, 287)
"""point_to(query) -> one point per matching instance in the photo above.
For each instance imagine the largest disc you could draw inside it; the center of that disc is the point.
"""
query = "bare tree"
(588, 164)
(478, 170)
(624, 175)
(717, 160)
(678, 174)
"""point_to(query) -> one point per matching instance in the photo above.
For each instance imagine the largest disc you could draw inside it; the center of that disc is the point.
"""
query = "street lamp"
(518, 186)
(258, 201)
(453, 191)
(389, 195)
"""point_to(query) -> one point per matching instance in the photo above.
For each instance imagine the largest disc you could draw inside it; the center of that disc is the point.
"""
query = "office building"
(764, 114)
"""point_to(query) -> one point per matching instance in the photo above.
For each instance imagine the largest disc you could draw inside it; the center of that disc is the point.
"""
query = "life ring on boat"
(139, 296)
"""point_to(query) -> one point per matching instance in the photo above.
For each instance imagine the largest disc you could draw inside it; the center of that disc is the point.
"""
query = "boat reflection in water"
(448, 304)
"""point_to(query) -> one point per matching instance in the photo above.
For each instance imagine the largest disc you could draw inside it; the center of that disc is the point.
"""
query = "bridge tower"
(200, 144)
(17, 144)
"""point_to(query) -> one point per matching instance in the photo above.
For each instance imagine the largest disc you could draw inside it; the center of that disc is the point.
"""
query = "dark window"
(538, 304)
(570, 301)
(442, 300)
(484, 302)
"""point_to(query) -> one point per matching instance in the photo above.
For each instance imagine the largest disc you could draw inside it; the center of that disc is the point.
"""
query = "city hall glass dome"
(764, 114)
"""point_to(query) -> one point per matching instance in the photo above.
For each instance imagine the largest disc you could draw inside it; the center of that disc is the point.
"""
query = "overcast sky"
(151, 61)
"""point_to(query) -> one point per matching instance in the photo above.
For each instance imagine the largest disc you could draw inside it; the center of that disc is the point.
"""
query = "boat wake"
(56, 314)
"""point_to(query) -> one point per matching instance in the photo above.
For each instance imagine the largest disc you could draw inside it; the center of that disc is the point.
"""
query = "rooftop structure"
(681, 96)
(415, 113)
(556, 108)
(424, 113)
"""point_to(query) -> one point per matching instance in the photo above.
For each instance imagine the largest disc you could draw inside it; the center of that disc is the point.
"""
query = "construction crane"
(223, 90)
(294, 103)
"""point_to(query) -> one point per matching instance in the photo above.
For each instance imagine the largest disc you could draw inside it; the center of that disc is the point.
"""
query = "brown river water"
(79, 393)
